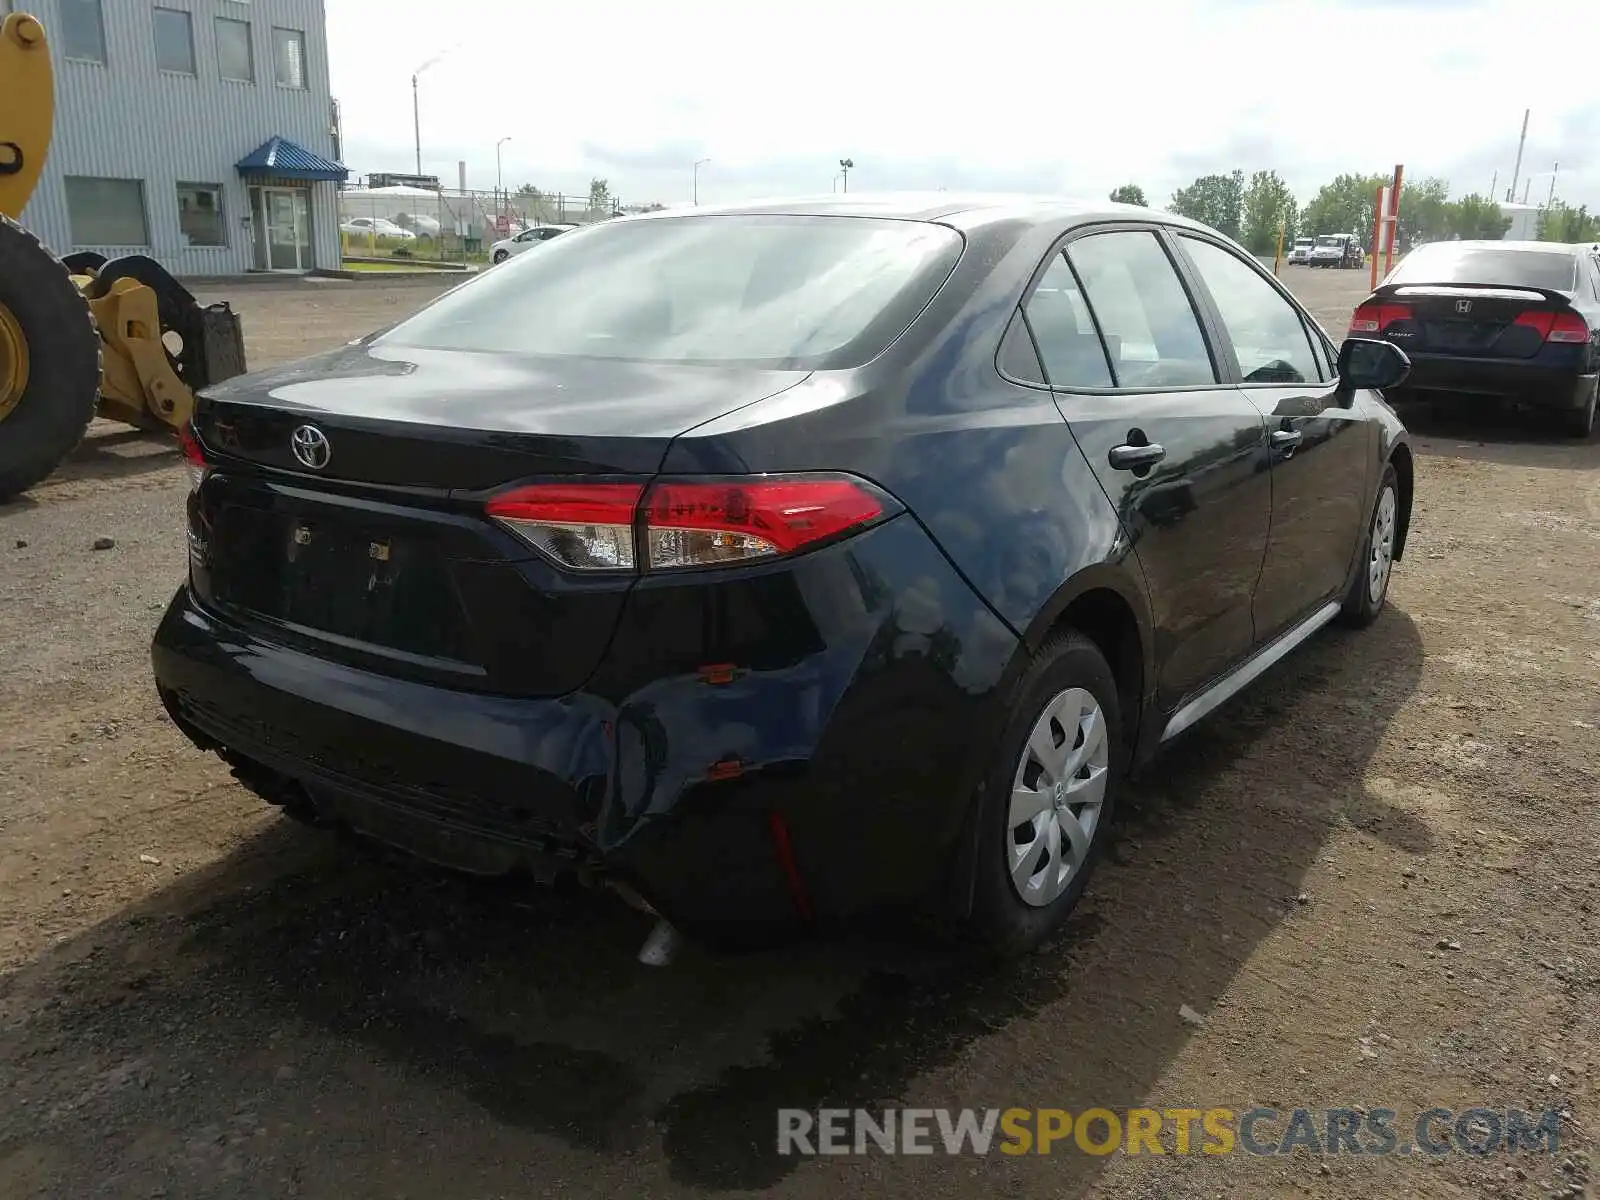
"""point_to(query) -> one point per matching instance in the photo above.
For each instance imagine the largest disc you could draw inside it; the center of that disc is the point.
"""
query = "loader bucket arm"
(27, 110)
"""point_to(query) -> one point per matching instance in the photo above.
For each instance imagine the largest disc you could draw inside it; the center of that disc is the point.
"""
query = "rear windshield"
(1443, 262)
(782, 292)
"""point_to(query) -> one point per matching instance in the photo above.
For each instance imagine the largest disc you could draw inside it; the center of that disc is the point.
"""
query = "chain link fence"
(423, 225)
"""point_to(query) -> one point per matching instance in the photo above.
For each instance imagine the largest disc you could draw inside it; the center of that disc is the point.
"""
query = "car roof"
(1531, 247)
(967, 210)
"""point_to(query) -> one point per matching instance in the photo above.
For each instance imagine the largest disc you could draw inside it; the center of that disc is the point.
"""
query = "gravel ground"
(1372, 880)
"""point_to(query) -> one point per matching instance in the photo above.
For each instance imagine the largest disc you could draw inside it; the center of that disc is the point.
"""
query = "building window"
(83, 33)
(106, 212)
(200, 214)
(174, 41)
(234, 59)
(289, 57)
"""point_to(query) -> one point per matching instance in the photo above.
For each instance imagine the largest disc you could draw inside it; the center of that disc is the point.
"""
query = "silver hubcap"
(1382, 546)
(1056, 796)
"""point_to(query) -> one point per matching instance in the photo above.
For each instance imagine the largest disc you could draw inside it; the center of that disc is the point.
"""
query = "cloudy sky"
(1037, 95)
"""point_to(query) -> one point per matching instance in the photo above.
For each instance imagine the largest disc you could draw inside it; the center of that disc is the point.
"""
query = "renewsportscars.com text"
(1215, 1131)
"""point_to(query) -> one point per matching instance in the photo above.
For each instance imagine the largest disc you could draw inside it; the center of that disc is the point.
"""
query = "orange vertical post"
(1394, 216)
(1377, 232)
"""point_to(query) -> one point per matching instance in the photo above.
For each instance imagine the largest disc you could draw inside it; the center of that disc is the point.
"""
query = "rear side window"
(778, 292)
(1152, 336)
(1447, 263)
(1268, 336)
(1071, 350)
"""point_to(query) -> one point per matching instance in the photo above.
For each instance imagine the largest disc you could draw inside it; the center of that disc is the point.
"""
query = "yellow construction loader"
(83, 336)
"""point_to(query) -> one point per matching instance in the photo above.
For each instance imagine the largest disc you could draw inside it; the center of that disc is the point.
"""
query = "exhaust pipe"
(661, 947)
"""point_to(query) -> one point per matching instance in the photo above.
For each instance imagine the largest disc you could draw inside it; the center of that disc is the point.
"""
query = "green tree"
(1214, 200)
(1129, 193)
(1474, 217)
(1344, 206)
(529, 191)
(599, 195)
(1563, 223)
(1424, 212)
(1268, 203)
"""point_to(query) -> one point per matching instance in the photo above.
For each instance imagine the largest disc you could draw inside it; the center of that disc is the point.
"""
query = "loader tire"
(61, 360)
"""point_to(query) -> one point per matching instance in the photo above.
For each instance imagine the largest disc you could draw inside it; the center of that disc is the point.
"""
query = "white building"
(199, 132)
(1524, 221)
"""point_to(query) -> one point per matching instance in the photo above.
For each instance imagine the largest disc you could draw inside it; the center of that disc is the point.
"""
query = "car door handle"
(1285, 439)
(1131, 458)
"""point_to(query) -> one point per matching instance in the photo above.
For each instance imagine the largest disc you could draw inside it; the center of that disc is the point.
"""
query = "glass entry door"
(283, 225)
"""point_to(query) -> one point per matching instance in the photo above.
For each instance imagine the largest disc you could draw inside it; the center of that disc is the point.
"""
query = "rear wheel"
(1047, 797)
(501, 255)
(49, 361)
(1580, 422)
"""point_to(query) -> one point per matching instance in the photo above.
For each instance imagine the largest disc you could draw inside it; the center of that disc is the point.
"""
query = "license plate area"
(1461, 337)
(339, 576)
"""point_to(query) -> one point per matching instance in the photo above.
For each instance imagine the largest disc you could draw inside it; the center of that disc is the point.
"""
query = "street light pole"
(844, 171)
(416, 119)
(702, 162)
(416, 107)
(499, 178)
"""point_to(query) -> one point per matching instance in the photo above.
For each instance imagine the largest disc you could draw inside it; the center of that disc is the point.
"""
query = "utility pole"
(844, 172)
(416, 108)
(1516, 171)
(1551, 199)
(698, 164)
(499, 176)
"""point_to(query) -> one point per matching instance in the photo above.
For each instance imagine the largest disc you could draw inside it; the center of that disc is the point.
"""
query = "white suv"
(503, 250)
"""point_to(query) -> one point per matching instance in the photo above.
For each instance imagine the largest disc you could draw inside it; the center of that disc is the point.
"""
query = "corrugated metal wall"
(128, 120)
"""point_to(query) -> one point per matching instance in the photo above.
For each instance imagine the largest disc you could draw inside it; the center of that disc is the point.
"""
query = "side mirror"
(1368, 363)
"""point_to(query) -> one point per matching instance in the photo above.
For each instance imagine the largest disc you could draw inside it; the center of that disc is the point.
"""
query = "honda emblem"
(1463, 306)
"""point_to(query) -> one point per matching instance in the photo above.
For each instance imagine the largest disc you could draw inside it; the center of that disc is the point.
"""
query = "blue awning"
(283, 159)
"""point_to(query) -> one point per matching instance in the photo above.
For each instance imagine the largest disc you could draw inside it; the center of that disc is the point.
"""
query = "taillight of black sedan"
(1515, 320)
(781, 562)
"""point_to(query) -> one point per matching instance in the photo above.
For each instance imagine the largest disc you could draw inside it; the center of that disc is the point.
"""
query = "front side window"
(174, 41)
(1151, 333)
(83, 31)
(200, 214)
(289, 58)
(1069, 347)
(106, 212)
(1268, 336)
(234, 60)
(780, 292)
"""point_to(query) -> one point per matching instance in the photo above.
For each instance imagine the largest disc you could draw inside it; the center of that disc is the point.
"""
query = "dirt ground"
(1373, 878)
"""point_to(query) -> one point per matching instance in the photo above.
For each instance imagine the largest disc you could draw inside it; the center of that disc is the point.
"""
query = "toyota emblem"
(310, 446)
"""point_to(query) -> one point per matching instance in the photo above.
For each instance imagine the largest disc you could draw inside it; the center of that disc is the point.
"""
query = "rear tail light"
(1375, 318)
(194, 457)
(584, 526)
(1556, 327)
(1568, 327)
(687, 524)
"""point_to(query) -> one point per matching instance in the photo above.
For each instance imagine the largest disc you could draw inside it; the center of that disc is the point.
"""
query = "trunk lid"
(450, 419)
(382, 556)
(1470, 320)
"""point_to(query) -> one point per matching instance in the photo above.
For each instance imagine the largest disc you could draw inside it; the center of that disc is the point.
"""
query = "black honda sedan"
(785, 560)
(1515, 321)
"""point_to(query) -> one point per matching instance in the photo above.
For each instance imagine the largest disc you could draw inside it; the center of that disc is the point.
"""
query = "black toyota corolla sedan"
(785, 560)
(1512, 320)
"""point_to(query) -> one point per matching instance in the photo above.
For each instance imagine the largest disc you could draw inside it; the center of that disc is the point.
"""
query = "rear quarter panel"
(989, 468)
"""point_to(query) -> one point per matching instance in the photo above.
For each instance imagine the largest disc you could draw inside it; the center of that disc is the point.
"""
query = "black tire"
(63, 348)
(500, 256)
(1001, 924)
(1359, 608)
(1579, 423)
